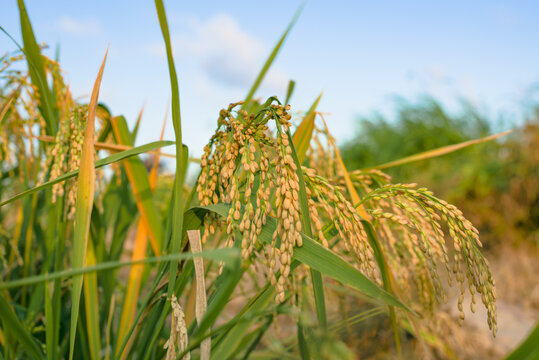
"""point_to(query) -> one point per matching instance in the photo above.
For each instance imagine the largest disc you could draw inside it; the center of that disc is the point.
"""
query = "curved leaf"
(228, 256)
(181, 165)
(36, 68)
(304, 132)
(270, 59)
(438, 152)
(16, 328)
(140, 183)
(83, 206)
(319, 258)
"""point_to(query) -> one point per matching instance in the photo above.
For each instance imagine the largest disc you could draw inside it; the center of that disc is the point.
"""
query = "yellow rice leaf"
(83, 207)
(304, 132)
(439, 151)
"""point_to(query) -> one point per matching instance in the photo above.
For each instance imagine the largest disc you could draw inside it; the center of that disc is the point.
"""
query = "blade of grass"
(304, 132)
(261, 331)
(83, 207)
(177, 211)
(222, 329)
(140, 183)
(99, 163)
(289, 91)
(108, 146)
(228, 256)
(133, 284)
(137, 124)
(270, 60)
(28, 215)
(57, 217)
(92, 305)
(196, 247)
(438, 152)
(302, 342)
(227, 344)
(317, 257)
(191, 222)
(387, 276)
(49, 325)
(18, 330)
(36, 68)
(108, 348)
(155, 167)
(225, 285)
(135, 274)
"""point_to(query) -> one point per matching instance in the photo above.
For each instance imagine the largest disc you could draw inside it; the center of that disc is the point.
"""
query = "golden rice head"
(178, 332)
(243, 165)
(329, 204)
(320, 154)
(411, 220)
(65, 156)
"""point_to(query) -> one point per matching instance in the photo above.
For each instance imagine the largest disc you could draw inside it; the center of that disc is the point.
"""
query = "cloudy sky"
(361, 54)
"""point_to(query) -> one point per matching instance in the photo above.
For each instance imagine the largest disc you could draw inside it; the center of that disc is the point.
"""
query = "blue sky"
(360, 54)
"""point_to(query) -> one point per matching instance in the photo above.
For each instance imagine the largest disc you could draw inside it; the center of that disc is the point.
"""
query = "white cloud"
(75, 26)
(225, 52)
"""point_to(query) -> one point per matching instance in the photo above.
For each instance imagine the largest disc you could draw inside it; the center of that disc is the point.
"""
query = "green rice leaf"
(140, 183)
(270, 60)
(49, 325)
(289, 91)
(16, 328)
(36, 68)
(302, 342)
(177, 211)
(228, 256)
(385, 270)
(228, 345)
(91, 303)
(317, 257)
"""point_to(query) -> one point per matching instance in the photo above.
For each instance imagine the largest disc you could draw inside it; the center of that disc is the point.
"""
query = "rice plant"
(242, 263)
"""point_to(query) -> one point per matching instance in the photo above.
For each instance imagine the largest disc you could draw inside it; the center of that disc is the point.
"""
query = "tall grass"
(281, 224)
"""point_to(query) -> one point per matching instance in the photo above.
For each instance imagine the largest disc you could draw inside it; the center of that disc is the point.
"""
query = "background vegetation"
(495, 183)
